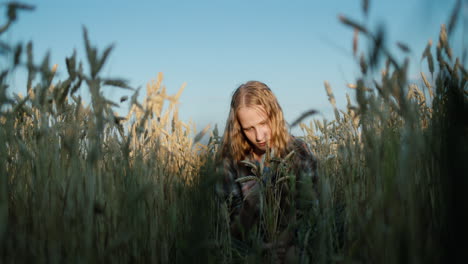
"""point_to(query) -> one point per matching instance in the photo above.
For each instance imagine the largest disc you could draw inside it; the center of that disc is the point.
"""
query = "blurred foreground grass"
(78, 183)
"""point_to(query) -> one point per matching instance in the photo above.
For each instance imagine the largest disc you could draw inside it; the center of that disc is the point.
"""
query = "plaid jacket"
(304, 168)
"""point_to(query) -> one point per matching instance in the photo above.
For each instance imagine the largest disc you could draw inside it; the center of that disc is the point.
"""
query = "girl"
(255, 133)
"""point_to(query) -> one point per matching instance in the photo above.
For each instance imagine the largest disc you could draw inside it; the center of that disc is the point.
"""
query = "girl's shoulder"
(304, 160)
(301, 148)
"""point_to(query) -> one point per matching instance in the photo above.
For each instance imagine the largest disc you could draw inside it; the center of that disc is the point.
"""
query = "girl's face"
(254, 123)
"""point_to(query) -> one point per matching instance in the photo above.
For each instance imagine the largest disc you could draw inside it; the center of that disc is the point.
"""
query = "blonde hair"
(253, 94)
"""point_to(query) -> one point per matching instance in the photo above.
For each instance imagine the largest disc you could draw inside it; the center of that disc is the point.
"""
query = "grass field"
(78, 183)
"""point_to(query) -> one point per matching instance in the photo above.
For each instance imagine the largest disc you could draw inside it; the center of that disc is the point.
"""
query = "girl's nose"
(258, 136)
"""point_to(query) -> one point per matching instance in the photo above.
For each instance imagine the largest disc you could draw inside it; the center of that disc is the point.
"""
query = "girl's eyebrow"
(247, 127)
(261, 122)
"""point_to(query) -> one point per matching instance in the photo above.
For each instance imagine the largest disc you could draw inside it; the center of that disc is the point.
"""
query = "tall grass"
(81, 184)
(394, 165)
(78, 183)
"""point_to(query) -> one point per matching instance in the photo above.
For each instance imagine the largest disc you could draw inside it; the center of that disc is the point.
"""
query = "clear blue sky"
(214, 46)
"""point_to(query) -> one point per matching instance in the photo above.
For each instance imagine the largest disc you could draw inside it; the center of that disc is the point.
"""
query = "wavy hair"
(253, 94)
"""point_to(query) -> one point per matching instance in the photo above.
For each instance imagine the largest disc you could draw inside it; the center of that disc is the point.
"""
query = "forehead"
(249, 116)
